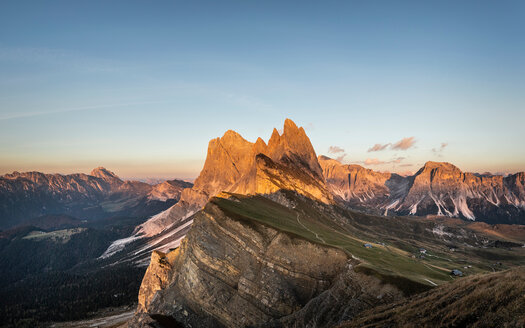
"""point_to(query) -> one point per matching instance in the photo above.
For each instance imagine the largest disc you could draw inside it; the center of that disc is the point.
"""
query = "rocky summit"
(237, 165)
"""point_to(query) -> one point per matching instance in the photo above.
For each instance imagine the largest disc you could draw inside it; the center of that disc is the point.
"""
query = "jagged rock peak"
(103, 173)
(260, 146)
(295, 146)
(231, 136)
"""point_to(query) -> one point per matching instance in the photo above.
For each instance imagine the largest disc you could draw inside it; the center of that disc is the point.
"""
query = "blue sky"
(140, 87)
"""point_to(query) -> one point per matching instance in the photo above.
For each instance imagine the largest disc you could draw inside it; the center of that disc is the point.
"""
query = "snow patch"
(118, 245)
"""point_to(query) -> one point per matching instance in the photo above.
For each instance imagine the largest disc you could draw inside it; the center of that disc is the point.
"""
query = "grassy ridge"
(395, 255)
(315, 226)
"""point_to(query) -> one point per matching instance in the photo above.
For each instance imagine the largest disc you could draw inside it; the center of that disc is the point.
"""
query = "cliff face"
(356, 182)
(436, 189)
(235, 273)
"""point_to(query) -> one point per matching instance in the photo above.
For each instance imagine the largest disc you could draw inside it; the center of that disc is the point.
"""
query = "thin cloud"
(373, 161)
(340, 158)
(378, 147)
(404, 143)
(335, 150)
(78, 109)
(439, 150)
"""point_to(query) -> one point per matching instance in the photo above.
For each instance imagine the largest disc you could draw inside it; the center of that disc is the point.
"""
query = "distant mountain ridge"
(28, 195)
(436, 189)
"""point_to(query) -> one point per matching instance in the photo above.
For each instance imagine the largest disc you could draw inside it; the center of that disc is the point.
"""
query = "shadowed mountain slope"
(25, 196)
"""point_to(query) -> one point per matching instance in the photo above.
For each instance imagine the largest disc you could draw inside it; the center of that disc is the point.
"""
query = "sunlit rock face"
(232, 165)
(157, 277)
(171, 189)
(356, 182)
(436, 189)
(233, 273)
(268, 178)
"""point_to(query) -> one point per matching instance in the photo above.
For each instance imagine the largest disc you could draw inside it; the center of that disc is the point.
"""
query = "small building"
(422, 251)
(367, 245)
(456, 273)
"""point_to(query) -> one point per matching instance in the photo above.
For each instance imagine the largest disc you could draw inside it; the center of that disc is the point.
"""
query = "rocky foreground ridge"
(28, 195)
(229, 272)
(436, 189)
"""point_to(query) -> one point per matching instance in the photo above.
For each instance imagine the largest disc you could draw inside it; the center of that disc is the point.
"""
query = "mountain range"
(25, 196)
(439, 189)
(269, 237)
(289, 162)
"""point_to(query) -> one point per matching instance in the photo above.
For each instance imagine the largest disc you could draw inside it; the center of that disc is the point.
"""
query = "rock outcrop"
(436, 189)
(235, 273)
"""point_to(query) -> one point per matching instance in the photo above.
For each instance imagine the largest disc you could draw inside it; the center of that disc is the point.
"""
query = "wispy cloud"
(335, 150)
(58, 58)
(373, 161)
(340, 158)
(397, 160)
(76, 109)
(378, 147)
(439, 151)
(404, 143)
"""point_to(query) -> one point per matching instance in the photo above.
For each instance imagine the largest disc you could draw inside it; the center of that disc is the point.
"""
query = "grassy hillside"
(492, 300)
(395, 254)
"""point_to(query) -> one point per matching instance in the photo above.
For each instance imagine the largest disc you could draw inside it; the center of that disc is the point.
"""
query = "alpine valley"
(269, 235)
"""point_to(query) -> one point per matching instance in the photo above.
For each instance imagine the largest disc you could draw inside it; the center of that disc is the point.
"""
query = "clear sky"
(140, 87)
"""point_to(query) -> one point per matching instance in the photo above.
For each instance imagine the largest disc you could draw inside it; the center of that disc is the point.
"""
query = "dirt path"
(106, 321)
(315, 233)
